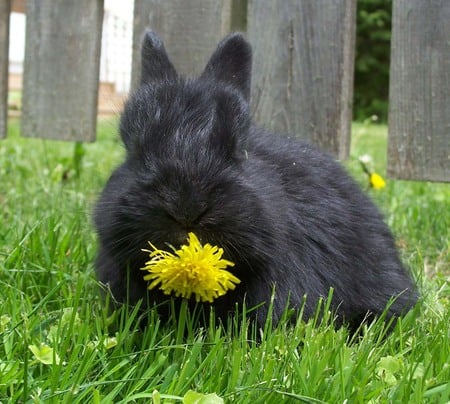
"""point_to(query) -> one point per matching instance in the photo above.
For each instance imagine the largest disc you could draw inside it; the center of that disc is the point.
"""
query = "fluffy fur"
(287, 214)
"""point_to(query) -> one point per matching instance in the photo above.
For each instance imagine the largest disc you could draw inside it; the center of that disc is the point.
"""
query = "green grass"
(49, 301)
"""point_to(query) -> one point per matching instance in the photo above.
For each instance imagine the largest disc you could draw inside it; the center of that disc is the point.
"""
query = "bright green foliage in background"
(373, 34)
(58, 343)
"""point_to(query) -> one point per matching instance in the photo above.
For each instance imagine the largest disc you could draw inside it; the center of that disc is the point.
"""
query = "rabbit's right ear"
(155, 64)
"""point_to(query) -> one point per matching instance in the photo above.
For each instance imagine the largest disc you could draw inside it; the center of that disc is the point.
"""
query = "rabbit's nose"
(187, 218)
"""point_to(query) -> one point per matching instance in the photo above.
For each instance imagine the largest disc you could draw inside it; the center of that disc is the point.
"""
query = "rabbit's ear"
(155, 64)
(231, 63)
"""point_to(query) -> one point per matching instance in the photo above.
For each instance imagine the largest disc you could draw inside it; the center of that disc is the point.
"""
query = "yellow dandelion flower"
(377, 181)
(192, 270)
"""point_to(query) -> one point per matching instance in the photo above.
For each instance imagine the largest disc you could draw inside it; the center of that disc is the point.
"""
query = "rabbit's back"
(335, 235)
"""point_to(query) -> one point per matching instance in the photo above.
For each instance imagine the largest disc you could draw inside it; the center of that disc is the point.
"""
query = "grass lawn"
(58, 343)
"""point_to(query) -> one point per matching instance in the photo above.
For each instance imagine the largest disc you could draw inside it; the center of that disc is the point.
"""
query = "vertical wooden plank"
(303, 68)
(190, 30)
(419, 91)
(5, 7)
(62, 57)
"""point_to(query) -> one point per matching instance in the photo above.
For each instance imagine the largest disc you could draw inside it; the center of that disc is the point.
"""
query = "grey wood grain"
(303, 68)
(419, 100)
(61, 69)
(190, 31)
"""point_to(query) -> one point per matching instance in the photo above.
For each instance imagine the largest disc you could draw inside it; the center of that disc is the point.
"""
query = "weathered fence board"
(419, 104)
(62, 56)
(303, 68)
(302, 73)
(189, 29)
(5, 7)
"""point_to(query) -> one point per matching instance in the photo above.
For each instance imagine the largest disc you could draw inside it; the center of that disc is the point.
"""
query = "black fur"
(287, 214)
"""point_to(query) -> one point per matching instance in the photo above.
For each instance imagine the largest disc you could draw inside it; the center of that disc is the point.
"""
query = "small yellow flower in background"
(377, 181)
(192, 270)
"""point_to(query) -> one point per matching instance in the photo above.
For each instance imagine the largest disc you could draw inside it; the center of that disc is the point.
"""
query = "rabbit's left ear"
(231, 63)
(155, 64)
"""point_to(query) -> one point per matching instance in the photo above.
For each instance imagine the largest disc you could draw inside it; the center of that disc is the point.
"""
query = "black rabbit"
(286, 214)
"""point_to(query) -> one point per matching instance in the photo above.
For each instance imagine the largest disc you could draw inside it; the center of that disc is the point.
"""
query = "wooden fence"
(302, 74)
